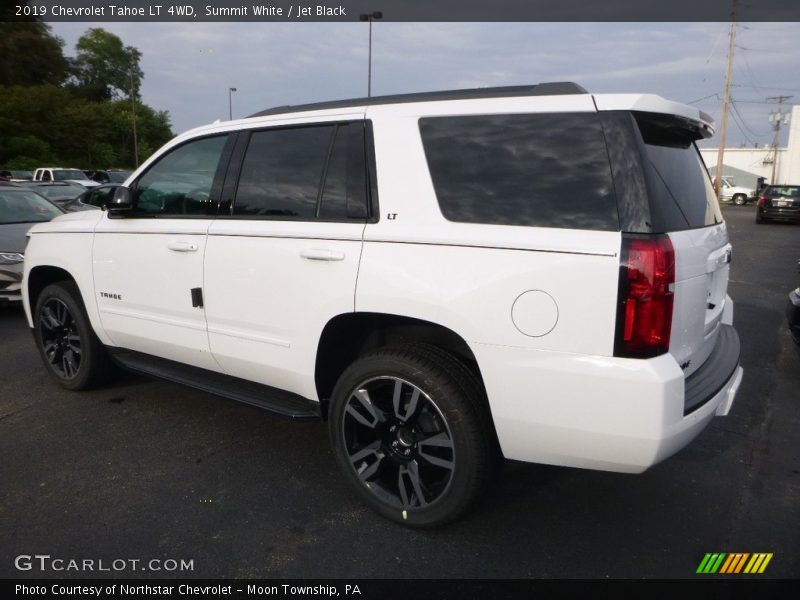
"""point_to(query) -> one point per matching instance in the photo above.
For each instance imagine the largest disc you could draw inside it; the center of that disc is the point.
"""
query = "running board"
(279, 402)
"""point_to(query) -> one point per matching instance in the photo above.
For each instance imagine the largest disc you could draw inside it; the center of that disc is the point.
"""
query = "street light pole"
(133, 114)
(230, 103)
(369, 17)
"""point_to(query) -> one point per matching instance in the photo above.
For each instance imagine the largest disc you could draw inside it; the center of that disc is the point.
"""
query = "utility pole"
(775, 118)
(726, 101)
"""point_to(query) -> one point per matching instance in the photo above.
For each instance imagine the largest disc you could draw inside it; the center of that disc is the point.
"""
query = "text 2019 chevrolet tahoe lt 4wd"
(531, 272)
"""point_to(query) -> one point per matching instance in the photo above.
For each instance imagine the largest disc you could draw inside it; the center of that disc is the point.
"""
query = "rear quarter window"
(545, 170)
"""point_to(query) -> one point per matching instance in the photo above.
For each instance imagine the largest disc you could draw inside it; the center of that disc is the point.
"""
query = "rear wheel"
(69, 347)
(739, 199)
(408, 430)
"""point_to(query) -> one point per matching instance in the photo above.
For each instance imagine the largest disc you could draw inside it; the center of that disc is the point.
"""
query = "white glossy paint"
(267, 302)
(149, 264)
(534, 313)
(701, 279)
(66, 242)
(611, 414)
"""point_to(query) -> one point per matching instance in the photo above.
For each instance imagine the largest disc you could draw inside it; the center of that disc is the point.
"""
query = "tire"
(71, 352)
(412, 433)
(740, 199)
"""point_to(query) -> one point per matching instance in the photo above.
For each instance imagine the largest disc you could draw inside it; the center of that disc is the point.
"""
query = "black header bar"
(400, 10)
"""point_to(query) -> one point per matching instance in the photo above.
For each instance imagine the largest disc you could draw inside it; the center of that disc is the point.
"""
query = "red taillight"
(762, 201)
(644, 317)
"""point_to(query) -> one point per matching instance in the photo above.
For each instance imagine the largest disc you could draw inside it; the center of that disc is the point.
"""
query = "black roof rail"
(542, 89)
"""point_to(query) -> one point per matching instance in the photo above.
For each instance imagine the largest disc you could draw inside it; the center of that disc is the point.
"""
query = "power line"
(715, 95)
(739, 127)
(744, 121)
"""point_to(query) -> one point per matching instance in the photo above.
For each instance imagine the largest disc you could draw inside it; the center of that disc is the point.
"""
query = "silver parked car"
(20, 208)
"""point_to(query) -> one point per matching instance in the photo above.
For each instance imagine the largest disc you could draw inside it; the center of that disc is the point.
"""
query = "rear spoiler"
(697, 124)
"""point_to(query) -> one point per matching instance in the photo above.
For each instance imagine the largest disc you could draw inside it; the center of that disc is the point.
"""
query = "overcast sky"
(189, 67)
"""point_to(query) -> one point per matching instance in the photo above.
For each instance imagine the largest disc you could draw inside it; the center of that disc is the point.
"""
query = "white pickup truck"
(62, 174)
(737, 194)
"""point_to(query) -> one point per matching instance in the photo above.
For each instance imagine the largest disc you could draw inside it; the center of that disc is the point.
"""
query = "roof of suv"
(572, 92)
(559, 88)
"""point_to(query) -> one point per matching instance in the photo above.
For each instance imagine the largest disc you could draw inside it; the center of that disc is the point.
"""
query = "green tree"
(29, 152)
(50, 124)
(104, 68)
(85, 123)
(30, 55)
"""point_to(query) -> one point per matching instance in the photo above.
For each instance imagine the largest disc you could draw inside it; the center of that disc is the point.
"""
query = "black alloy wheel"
(70, 349)
(398, 442)
(60, 339)
(411, 430)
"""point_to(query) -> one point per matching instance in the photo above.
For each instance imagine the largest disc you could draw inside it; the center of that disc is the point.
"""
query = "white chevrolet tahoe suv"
(536, 273)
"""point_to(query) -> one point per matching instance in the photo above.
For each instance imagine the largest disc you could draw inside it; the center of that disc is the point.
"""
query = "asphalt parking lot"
(149, 470)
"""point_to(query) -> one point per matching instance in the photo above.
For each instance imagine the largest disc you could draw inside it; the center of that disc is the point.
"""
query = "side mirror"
(121, 203)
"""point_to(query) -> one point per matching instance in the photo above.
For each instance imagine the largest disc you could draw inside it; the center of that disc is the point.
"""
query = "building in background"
(746, 165)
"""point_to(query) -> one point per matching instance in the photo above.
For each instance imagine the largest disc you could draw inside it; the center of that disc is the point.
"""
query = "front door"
(147, 264)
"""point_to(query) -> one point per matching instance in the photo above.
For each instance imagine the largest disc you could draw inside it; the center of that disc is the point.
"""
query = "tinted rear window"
(547, 170)
(680, 190)
(784, 191)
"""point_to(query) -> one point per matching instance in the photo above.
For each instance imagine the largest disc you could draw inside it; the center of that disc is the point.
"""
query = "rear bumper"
(611, 414)
(779, 214)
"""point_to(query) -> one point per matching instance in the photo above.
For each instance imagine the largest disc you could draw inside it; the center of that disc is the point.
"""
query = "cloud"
(190, 66)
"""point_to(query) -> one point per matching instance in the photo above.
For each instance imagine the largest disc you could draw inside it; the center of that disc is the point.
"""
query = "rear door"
(684, 205)
(284, 261)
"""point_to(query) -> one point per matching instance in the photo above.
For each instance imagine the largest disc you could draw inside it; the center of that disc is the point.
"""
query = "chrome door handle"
(322, 254)
(182, 246)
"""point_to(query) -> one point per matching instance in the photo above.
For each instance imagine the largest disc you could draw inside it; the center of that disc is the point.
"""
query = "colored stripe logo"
(734, 563)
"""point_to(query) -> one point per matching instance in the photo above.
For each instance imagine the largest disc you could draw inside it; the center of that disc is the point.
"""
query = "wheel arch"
(347, 336)
(43, 275)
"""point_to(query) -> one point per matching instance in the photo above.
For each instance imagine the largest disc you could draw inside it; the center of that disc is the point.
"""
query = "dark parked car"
(20, 208)
(59, 192)
(14, 175)
(111, 176)
(793, 311)
(779, 203)
(93, 198)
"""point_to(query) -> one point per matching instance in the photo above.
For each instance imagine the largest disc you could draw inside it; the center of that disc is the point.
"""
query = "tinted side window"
(344, 192)
(314, 172)
(547, 170)
(282, 171)
(180, 182)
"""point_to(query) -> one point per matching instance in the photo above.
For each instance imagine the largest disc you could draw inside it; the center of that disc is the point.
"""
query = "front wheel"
(408, 428)
(73, 355)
